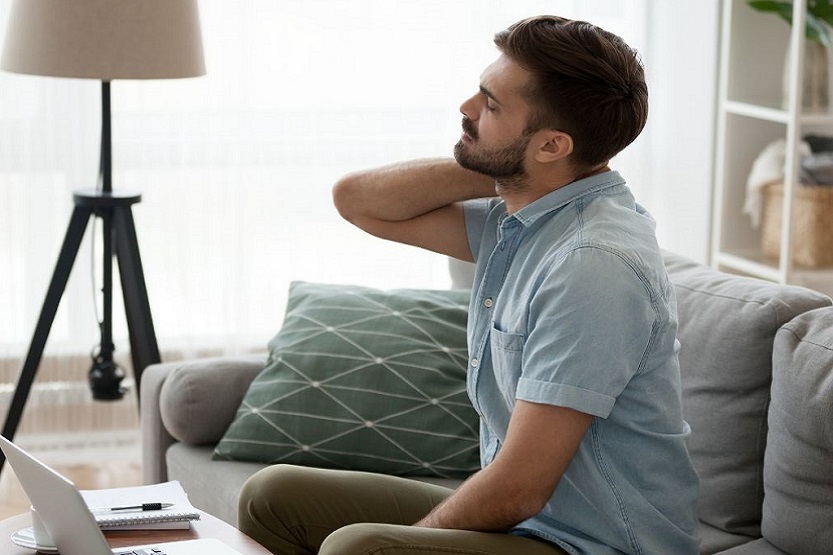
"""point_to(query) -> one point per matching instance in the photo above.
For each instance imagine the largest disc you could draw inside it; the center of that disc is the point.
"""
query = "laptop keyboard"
(143, 551)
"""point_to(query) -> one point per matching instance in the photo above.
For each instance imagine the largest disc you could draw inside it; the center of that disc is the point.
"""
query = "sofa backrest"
(727, 328)
(798, 466)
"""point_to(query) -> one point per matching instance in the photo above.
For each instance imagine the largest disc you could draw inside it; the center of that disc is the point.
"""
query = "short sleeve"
(590, 327)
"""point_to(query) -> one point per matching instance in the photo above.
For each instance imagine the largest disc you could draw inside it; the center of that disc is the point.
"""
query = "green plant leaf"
(783, 9)
(819, 12)
(823, 10)
(817, 30)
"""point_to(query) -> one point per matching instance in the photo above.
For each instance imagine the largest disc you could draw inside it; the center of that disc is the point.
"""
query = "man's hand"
(540, 444)
(416, 203)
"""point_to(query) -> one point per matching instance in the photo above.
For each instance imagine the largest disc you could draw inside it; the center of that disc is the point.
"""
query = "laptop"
(70, 523)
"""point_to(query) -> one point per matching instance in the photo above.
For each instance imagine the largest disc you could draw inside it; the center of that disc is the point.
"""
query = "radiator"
(61, 416)
(60, 413)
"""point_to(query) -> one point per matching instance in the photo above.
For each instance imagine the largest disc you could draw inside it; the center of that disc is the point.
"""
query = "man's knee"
(357, 539)
(394, 539)
(275, 478)
(274, 483)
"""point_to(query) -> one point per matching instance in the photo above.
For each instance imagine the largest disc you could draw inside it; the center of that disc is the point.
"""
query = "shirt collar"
(550, 202)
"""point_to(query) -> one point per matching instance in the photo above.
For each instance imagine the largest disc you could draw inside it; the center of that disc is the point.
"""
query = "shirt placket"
(497, 266)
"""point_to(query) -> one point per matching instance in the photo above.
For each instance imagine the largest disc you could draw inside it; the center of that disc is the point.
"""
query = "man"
(572, 328)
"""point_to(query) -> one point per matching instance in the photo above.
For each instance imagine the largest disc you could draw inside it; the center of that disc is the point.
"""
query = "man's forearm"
(406, 190)
(538, 447)
(484, 503)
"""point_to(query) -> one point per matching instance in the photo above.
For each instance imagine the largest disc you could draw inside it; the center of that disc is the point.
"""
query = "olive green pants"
(295, 510)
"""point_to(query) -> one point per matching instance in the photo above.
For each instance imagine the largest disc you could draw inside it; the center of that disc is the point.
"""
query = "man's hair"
(587, 82)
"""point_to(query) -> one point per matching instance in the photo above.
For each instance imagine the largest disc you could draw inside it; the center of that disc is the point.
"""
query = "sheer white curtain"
(236, 167)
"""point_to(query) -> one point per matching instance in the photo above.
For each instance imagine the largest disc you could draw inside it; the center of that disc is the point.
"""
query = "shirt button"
(474, 363)
(488, 303)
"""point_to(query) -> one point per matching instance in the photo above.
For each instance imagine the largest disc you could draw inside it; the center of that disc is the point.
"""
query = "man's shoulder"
(589, 265)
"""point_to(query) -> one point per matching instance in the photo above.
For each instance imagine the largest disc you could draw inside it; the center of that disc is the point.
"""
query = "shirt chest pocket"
(507, 350)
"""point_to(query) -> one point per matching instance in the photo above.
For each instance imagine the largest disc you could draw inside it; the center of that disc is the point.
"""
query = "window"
(236, 167)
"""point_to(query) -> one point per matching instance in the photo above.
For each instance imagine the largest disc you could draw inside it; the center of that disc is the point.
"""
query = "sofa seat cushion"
(363, 379)
(798, 475)
(714, 540)
(213, 486)
(754, 547)
(726, 331)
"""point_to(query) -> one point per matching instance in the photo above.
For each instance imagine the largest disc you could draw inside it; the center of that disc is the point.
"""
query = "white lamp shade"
(104, 39)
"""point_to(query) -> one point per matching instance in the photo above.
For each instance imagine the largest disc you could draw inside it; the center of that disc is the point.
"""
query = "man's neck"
(521, 192)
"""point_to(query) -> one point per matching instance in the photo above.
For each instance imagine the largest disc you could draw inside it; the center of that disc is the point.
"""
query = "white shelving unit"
(752, 114)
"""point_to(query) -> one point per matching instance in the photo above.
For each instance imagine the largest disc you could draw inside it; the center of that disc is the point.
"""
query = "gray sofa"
(757, 365)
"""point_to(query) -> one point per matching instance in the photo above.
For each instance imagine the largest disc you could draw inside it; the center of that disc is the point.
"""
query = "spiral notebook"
(179, 515)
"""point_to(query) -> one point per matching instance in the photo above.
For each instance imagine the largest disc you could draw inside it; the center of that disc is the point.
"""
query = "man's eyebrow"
(486, 92)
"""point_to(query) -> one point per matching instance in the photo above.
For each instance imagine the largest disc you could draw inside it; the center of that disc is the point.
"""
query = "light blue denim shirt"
(572, 307)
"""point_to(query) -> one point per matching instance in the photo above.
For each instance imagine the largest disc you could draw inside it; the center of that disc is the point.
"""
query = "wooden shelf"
(756, 111)
(749, 263)
(751, 115)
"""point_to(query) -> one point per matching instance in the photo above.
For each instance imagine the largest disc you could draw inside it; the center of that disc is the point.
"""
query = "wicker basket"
(813, 224)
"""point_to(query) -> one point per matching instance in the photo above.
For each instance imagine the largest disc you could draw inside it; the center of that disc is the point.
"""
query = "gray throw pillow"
(363, 379)
(727, 328)
(798, 473)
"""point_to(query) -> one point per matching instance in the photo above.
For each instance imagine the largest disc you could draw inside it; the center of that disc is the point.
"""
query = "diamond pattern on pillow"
(363, 379)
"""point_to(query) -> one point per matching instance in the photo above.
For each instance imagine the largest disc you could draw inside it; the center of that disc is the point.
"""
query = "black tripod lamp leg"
(144, 349)
(66, 259)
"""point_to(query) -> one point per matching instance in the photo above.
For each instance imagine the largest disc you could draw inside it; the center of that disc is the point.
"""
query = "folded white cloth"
(767, 168)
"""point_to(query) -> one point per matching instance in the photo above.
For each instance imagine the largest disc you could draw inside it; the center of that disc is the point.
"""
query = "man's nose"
(469, 108)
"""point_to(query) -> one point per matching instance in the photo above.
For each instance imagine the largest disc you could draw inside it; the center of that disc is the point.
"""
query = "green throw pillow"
(363, 379)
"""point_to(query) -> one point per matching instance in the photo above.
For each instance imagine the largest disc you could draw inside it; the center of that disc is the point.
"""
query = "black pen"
(142, 507)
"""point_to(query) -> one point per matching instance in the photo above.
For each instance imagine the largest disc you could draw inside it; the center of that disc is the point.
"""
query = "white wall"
(681, 62)
(257, 143)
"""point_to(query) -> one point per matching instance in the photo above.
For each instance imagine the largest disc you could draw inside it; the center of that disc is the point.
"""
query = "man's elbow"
(520, 502)
(354, 204)
(528, 504)
(344, 197)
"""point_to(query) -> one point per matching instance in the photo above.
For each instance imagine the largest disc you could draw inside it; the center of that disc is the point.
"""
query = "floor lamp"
(103, 40)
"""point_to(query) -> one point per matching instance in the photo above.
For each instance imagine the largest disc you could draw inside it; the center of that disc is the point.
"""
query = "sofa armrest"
(192, 401)
(155, 438)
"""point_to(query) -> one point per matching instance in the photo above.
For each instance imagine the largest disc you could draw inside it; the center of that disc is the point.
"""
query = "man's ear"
(554, 145)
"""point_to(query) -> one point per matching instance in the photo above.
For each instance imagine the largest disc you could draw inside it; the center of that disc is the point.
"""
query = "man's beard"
(505, 164)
